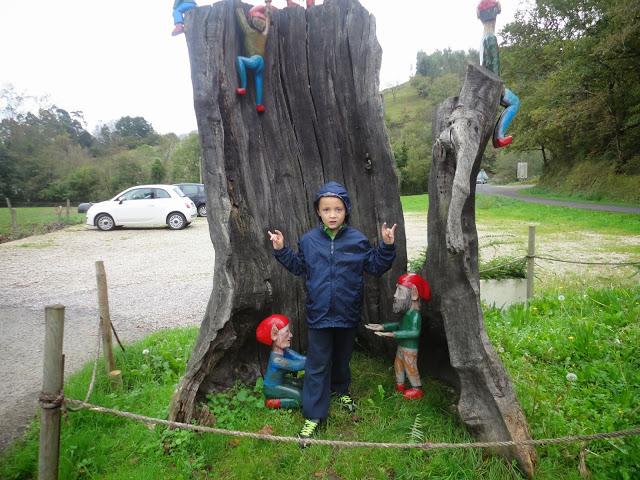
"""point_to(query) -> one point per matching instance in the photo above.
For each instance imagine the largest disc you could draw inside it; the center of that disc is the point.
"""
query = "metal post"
(530, 260)
(52, 378)
(105, 317)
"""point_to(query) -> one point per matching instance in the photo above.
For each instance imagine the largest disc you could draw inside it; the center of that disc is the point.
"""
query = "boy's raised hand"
(388, 234)
(277, 239)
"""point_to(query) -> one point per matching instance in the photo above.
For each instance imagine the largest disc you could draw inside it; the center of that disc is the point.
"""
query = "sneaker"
(309, 428)
(347, 402)
(178, 29)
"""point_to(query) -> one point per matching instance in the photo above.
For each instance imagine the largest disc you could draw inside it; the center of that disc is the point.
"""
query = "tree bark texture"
(323, 121)
(457, 347)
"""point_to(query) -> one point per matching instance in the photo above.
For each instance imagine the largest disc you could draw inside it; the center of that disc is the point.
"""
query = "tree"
(157, 171)
(323, 121)
(134, 131)
(457, 347)
(576, 67)
(185, 159)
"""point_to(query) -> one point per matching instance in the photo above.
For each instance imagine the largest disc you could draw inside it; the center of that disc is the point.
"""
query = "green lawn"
(502, 210)
(32, 220)
(593, 334)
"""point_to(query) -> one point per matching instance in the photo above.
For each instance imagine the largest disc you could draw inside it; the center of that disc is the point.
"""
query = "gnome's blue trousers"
(255, 63)
(512, 103)
(183, 7)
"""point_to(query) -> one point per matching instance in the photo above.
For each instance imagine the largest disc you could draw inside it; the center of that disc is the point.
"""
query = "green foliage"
(575, 66)
(443, 62)
(186, 160)
(49, 156)
(592, 181)
(158, 172)
(498, 268)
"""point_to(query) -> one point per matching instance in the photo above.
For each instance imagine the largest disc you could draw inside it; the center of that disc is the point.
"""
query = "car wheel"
(176, 221)
(104, 222)
(202, 210)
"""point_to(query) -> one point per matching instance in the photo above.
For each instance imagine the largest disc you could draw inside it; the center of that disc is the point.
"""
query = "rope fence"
(78, 405)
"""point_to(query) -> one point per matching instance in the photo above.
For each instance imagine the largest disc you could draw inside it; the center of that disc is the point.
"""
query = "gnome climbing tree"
(322, 120)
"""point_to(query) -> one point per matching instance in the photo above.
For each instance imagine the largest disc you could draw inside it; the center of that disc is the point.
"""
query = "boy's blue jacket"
(334, 269)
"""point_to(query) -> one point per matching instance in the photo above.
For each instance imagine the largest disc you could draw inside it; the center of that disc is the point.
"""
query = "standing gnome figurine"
(488, 11)
(280, 392)
(410, 289)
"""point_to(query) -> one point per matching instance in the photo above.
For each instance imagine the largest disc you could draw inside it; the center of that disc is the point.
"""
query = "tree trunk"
(456, 344)
(323, 121)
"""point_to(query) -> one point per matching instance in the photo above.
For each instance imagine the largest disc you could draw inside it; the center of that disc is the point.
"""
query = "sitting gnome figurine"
(410, 289)
(280, 392)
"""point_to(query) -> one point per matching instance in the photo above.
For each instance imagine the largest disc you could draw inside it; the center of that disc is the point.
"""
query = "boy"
(333, 258)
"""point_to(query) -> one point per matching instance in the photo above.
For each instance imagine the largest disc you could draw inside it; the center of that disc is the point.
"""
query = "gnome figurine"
(279, 390)
(410, 288)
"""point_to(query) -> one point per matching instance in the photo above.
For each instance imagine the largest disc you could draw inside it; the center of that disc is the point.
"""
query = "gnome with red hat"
(255, 30)
(411, 287)
(280, 390)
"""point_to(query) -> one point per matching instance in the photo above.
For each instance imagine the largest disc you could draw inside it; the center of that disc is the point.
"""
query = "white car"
(144, 206)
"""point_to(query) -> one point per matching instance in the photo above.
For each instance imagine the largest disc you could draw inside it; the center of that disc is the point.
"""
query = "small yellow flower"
(571, 339)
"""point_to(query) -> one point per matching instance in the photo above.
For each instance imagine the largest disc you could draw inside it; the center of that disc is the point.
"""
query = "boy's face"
(332, 212)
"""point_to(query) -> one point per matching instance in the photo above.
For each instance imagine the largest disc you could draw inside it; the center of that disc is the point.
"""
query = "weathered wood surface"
(323, 121)
(456, 343)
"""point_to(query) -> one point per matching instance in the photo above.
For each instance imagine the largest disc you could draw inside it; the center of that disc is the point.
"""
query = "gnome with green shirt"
(411, 287)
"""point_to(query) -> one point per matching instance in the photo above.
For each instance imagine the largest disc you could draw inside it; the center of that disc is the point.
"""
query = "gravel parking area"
(158, 278)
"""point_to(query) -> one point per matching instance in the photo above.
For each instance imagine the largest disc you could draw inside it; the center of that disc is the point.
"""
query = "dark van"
(195, 191)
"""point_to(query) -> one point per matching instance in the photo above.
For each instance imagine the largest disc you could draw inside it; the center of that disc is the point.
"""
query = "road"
(519, 192)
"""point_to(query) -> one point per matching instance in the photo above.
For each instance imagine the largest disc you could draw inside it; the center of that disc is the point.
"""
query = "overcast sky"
(115, 58)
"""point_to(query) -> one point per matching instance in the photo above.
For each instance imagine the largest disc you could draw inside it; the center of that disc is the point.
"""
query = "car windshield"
(179, 192)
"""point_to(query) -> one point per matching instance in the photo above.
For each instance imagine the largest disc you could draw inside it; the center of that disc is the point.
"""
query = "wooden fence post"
(530, 260)
(105, 317)
(52, 378)
(68, 209)
(14, 221)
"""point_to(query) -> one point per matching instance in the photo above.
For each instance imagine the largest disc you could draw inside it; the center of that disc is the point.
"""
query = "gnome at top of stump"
(411, 287)
(280, 391)
(255, 30)
(488, 11)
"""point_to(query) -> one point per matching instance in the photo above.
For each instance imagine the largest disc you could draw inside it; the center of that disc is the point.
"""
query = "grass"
(503, 211)
(35, 220)
(593, 334)
(595, 199)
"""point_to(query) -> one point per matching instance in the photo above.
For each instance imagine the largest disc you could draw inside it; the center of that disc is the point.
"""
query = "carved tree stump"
(323, 121)
(456, 344)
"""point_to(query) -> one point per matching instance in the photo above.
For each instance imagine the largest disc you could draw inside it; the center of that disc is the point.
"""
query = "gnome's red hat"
(260, 11)
(414, 280)
(488, 10)
(263, 332)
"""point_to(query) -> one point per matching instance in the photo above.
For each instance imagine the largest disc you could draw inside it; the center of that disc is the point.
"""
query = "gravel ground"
(158, 278)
